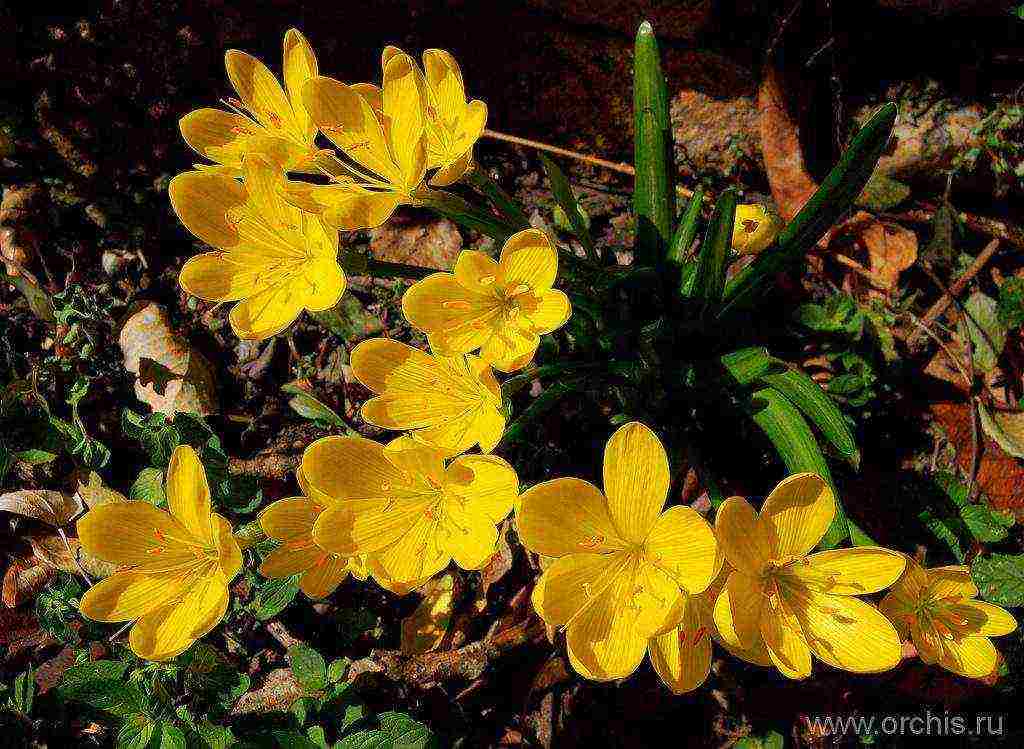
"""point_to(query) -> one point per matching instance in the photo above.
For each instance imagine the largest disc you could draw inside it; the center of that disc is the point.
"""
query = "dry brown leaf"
(423, 630)
(16, 626)
(54, 508)
(172, 377)
(94, 492)
(790, 181)
(23, 581)
(50, 549)
(891, 250)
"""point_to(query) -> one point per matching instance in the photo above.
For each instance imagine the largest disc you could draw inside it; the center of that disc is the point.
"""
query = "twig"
(614, 166)
(981, 224)
(121, 630)
(975, 454)
(74, 556)
(950, 294)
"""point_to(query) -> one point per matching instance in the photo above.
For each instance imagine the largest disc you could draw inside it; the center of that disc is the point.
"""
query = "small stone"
(428, 245)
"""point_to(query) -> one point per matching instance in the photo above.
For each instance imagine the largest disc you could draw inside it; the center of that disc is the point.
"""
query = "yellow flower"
(451, 402)
(405, 509)
(290, 521)
(622, 565)
(453, 125)
(937, 610)
(174, 568)
(501, 307)
(267, 120)
(386, 148)
(271, 256)
(754, 229)
(784, 603)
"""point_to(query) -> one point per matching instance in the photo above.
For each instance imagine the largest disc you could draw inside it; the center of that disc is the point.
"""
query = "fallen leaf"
(891, 250)
(172, 377)
(788, 177)
(1006, 428)
(54, 508)
(94, 493)
(23, 581)
(50, 549)
(423, 630)
(987, 332)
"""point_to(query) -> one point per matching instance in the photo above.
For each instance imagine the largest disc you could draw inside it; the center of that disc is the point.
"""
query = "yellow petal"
(797, 513)
(509, 348)
(572, 583)
(986, 618)
(473, 122)
(320, 580)
(754, 229)
(299, 67)
(213, 277)
(228, 550)
(787, 645)
(366, 526)
(850, 634)
(345, 207)
(856, 571)
(218, 135)
(636, 480)
(350, 468)
(738, 611)
(291, 518)
(476, 272)
(188, 493)
(741, 535)
(135, 534)
(268, 312)
(489, 427)
(420, 553)
(372, 94)
(683, 545)
(603, 642)
(566, 516)
(528, 259)
(169, 630)
(950, 582)
(440, 303)
(290, 559)
(469, 535)
(403, 112)
(682, 656)
(128, 595)
(326, 283)
(202, 201)
(492, 490)
(417, 459)
(454, 171)
(551, 313)
(445, 80)
(259, 89)
(973, 657)
(347, 120)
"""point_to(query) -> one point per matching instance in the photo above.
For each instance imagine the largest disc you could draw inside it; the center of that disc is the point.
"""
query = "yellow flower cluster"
(275, 240)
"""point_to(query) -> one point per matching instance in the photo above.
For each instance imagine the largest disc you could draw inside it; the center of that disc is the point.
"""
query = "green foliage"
(986, 330)
(309, 667)
(273, 596)
(1011, 302)
(709, 276)
(654, 190)
(1000, 578)
(309, 407)
(770, 740)
(579, 222)
(393, 730)
(56, 606)
(22, 693)
(949, 515)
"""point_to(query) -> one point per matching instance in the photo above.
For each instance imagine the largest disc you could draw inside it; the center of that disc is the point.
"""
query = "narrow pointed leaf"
(654, 191)
(709, 277)
(467, 215)
(686, 231)
(566, 199)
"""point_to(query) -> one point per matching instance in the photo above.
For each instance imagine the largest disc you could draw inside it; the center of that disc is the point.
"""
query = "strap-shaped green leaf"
(686, 231)
(467, 215)
(654, 191)
(504, 203)
(566, 199)
(709, 277)
(805, 394)
(833, 198)
(789, 432)
(746, 365)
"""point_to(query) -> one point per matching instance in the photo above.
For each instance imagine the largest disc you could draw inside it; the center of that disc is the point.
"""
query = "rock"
(672, 19)
(715, 135)
(428, 245)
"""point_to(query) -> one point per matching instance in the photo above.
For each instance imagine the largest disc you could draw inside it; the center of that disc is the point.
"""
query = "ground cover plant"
(314, 475)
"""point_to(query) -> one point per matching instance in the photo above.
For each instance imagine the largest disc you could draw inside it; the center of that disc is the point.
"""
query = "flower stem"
(507, 206)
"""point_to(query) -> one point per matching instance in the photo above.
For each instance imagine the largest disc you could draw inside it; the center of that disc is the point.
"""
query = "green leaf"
(35, 457)
(986, 330)
(771, 740)
(136, 732)
(805, 394)
(309, 667)
(308, 407)
(168, 736)
(686, 231)
(38, 300)
(273, 596)
(395, 731)
(747, 365)
(654, 190)
(101, 685)
(338, 668)
(882, 193)
(467, 215)
(149, 487)
(56, 606)
(833, 198)
(505, 204)
(1011, 302)
(567, 201)
(1000, 578)
(24, 691)
(350, 320)
(787, 430)
(709, 277)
